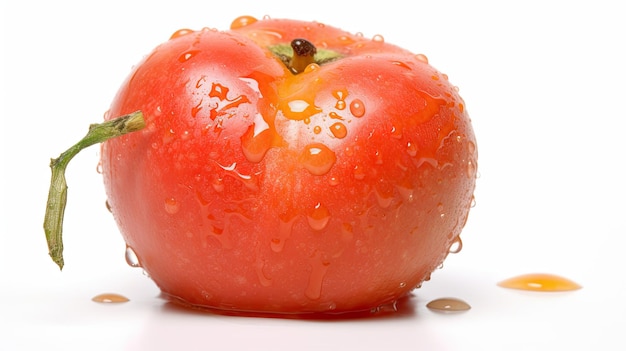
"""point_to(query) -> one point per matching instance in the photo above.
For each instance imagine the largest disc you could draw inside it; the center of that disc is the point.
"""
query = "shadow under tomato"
(403, 308)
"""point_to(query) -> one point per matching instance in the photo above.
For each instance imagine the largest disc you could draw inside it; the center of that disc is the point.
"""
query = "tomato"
(268, 180)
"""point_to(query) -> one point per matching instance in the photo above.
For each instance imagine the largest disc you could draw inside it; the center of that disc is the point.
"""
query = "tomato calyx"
(57, 194)
(301, 53)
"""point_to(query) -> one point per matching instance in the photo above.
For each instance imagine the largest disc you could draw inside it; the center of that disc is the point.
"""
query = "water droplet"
(471, 169)
(317, 129)
(357, 108)
(471, 148)
(379, 157)
(257, 140)
(311, 67)
(402, 285)
(110, 298)
(340, 105)
(388, 307)
(401, 64)
(339, 130)
(180, 33)
(411, 149)
(540, 282)
(318, 158)
(396, 133)
(319, 217)
(448, 304)
(285, 227)
(131, 257)
(187, 55)
(378, 38)
(319, 266)
(456, 246)
(218, 184)
(359, 172)
(333, 181)
(335, 115)
(242, 21)
(263, 278)
(300, 110)
(171, 205)
(421, 57)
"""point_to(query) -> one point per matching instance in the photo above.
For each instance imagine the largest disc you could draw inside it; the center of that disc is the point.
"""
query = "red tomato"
(257, 187)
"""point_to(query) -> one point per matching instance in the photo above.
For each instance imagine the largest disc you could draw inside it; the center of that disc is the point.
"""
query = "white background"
(544, 82)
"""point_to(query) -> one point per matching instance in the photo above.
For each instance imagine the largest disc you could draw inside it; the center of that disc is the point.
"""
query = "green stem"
(300, 53)
(57, 195)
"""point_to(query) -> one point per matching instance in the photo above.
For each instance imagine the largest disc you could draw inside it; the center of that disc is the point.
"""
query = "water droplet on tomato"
(396, 133)
(311, 67)
(242, 21)
(317, 129)
(340, 105)
(378, 38)
(317, 158)
(471, 148)
(339, 130)
(110, 298)
(411, 149)
(421, 57)
(448, 304)
(257, 140)
(131, 257)
(180, 33)
(471, 169)
(357, 108)
(300, 110)
(319, 266)
(388, 307)
(540, 282)
(285, 227)
(187, 55)
(406, 193)
(333, 181)
(359, 172)
(171, 205)
(218, 184)
(335, 115)
(456, 246)
(319, 217)
(379, 157)
(401, 64)
(384, 200)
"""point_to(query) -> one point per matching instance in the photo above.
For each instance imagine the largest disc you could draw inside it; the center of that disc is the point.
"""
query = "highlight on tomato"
(285, 167)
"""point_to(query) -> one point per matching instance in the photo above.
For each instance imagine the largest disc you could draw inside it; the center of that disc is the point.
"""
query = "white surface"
(544, 84)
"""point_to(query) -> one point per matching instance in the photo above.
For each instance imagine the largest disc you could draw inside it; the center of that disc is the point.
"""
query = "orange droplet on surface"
(540, 282)
(180, 33)
(110, 298)
(317, 158)
(318, 218)
(339, 130)
(242, 21)
(357, 108)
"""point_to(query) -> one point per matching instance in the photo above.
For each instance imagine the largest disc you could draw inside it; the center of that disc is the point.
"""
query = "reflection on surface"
(403, 308)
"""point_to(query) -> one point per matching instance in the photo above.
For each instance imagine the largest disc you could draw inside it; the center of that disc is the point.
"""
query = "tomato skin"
(252, 189)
